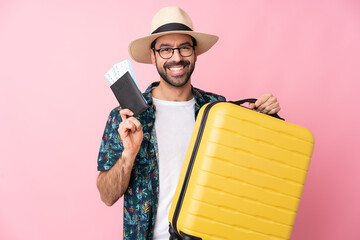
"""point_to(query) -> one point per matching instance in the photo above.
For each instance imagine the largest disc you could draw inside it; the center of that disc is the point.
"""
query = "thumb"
(252, 105)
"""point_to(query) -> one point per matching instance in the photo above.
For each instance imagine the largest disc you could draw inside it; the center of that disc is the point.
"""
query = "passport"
(128, 94)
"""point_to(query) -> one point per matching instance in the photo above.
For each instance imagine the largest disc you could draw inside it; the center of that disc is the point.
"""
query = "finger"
(274, 110)
(124, 113)
(262, 107)
(126, 127)
(268, 109)
(265, 105)
(252, 105)
(130, 126)
(136, 123)
(262, 99)
(123, 132)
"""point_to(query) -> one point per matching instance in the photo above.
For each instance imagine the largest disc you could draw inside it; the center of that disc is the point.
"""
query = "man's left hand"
(266, 103)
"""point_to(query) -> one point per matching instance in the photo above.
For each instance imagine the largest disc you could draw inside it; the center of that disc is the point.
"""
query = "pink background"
(54, 101)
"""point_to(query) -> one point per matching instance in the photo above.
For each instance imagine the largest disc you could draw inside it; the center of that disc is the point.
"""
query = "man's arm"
(113, 183)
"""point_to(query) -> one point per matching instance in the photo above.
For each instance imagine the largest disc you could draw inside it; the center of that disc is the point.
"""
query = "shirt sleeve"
(215, 97)
(222, 98)
(111, 147)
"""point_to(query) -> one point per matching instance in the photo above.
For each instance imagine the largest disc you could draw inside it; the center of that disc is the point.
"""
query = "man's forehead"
(175, 38)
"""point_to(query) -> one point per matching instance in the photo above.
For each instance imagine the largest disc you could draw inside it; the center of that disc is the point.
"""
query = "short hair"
(154, 42)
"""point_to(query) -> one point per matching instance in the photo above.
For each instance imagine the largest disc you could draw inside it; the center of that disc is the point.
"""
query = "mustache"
(182, 62)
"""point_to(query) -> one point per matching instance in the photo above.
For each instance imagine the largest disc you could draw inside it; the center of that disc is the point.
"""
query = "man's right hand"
(131, 134)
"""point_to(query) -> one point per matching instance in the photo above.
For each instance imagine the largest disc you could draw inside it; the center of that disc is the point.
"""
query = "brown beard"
(170, 64)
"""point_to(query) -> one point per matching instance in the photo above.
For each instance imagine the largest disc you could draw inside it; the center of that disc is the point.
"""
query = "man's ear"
(152, 54)
(195, 52)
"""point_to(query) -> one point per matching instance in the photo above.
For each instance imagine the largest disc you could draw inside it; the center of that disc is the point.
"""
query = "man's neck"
(168, 92)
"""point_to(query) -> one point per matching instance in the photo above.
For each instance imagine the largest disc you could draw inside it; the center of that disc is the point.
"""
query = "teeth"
(176, 68)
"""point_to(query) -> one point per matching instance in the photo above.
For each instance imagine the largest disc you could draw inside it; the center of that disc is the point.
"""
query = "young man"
(141, 158)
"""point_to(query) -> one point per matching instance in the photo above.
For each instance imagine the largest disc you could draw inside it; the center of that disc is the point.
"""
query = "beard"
(176, 81)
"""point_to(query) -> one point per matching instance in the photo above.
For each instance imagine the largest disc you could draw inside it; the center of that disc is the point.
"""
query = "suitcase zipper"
(190, 166)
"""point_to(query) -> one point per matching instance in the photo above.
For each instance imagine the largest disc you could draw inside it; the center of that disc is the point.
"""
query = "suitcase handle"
(253, 100)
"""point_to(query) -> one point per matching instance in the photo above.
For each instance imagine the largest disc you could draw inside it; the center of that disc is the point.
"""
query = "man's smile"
(176, 68)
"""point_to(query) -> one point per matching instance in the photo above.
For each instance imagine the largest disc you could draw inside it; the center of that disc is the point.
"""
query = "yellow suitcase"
(242, 177)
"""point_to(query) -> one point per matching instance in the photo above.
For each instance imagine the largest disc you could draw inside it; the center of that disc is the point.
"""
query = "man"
(141, 158)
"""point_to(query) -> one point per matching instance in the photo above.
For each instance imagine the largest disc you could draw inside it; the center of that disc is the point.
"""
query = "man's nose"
(176, 55)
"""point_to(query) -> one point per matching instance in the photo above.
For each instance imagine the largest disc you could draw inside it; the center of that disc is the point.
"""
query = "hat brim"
(139, 48)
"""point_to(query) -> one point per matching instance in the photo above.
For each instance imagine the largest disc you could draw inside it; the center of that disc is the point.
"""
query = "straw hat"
(169, 20)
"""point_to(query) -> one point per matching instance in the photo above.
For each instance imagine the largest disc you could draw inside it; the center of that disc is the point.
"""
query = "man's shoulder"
(115, 113)
(207, 96)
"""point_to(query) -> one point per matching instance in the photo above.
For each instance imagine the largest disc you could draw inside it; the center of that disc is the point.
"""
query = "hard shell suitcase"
(242, 177)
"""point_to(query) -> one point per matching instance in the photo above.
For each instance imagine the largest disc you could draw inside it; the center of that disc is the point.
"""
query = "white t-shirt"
(174, 123)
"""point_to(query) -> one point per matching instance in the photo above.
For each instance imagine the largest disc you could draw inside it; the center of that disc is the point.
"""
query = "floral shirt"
(141, 197)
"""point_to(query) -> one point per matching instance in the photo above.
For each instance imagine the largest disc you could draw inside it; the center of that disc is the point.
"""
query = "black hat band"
(172, 27)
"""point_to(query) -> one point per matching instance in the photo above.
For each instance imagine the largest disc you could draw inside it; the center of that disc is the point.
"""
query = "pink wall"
(54, 101)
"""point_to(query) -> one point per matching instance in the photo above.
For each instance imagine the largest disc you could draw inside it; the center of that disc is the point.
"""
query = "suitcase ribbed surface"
(247, 178)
